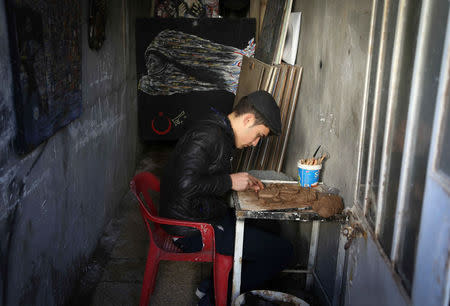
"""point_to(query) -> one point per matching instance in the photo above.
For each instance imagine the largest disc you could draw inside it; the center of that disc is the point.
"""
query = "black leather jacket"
(197, 176)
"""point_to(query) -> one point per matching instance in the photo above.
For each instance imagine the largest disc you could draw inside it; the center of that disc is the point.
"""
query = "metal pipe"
(399, 49)
(237, 261)
(365, 100)
(376, 105)
(394, 84)
(443, 93)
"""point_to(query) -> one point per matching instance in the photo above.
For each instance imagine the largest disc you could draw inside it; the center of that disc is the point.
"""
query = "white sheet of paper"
(292, 38)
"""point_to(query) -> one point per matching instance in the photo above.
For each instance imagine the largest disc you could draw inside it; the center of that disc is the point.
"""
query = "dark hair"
(245, 107)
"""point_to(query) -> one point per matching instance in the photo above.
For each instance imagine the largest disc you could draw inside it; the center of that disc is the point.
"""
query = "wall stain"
(5, 115)
(15, 191)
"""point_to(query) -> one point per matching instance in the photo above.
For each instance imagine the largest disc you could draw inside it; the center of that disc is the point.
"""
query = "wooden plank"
(279, 89)
(268, 72)
(283, 110)
(265, 143)
(277, 94)
(292, 107)
(284, 114)
(273, 32)
(250, 77)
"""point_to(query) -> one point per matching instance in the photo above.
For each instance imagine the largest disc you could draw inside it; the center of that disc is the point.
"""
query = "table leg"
(339, 268)
(312, 253)
(237, 265)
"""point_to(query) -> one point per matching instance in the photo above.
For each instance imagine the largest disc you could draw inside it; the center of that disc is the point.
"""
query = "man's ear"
(248, 119)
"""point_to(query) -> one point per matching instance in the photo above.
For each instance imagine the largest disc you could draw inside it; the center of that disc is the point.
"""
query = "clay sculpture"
(277, 196)
(287, 193)
(328, 205)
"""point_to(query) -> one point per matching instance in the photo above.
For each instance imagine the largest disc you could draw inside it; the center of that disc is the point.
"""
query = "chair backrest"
(145, 181)
(162, 246)
(141, 184)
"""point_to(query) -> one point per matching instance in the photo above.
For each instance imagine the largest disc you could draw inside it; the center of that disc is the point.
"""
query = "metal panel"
(432, 285)
(312, 253)
(434, 17)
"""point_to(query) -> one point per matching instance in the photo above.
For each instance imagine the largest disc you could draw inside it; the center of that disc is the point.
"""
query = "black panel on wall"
(166, 117)
(45, 50)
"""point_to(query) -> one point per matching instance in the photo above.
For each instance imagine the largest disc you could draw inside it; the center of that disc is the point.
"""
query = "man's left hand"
(242, 181)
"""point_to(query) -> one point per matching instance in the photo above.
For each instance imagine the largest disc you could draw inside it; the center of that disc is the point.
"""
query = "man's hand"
(242, 181)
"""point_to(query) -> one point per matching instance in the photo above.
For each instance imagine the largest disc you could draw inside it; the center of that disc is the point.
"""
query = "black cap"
(265, 104)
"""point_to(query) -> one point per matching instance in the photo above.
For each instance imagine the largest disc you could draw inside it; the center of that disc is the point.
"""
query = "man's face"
(247, 134)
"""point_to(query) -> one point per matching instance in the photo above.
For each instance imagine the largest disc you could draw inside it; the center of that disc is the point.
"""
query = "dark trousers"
(264, 254)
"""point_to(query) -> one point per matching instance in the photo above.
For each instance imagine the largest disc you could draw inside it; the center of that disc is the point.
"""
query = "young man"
(198, 176)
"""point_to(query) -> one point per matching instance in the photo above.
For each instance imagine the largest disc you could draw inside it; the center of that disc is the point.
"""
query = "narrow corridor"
(114, 274)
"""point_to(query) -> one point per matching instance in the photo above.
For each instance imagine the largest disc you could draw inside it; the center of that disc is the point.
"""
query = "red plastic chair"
(163, 248)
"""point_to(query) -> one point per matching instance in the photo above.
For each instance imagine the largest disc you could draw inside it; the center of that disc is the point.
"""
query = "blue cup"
(308, 175)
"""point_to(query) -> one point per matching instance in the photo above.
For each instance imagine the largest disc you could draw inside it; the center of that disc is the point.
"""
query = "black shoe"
(205, 301)
(204, 288)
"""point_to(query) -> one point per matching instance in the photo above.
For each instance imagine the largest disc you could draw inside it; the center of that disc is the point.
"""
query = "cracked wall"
(56, 200)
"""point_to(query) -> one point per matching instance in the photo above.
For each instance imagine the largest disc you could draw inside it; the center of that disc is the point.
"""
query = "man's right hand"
(242, 181)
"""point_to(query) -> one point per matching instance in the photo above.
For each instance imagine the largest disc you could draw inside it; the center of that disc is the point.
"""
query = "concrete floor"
(121, 280)
(114, 274)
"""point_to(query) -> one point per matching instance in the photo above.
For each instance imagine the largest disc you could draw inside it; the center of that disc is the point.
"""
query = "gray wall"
(55, 201)
(332, 49)
(369, 278)
(334, 33)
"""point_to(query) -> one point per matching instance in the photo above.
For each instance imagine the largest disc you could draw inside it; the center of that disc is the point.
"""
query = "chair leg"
(222, 267)
(151, 270)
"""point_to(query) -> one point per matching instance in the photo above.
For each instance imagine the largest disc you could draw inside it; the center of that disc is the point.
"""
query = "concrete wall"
(333, 50)
(369, 279)
(55, 201)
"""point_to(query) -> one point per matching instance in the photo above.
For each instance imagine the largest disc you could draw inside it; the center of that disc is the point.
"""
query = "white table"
(300, 214)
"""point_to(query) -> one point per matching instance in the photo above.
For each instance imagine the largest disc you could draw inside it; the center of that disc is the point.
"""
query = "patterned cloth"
(179, 63)
(187, 8)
